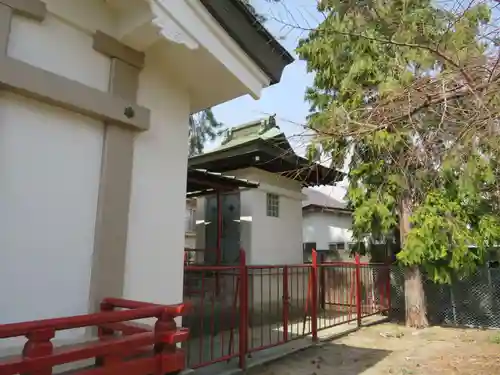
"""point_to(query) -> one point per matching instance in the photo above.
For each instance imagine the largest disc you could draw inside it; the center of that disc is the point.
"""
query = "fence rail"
(242, 309)
(120, 348)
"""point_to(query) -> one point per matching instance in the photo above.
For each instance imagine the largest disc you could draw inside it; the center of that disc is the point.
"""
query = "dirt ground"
(391, 349)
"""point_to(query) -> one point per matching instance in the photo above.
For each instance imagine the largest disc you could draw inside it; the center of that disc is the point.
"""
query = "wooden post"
(104, 333)
(314, 298)
(163, 350)
(39, 345)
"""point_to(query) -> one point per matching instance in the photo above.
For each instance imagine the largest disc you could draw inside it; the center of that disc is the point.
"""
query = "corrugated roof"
(320, 199)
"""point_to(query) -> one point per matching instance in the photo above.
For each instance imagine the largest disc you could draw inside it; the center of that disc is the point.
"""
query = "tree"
(409, 92)
(203, 127)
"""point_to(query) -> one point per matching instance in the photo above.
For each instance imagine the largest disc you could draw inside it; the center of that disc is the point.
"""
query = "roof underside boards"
(262, 145)
(252, 37)
(203, 182)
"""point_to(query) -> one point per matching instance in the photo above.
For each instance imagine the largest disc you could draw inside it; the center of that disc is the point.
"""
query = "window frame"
(272, 205)
(190, 220)
(343, 247)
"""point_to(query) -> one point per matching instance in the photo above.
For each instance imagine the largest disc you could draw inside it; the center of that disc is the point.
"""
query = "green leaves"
(383, 97)
(450, 233)
(203, 127)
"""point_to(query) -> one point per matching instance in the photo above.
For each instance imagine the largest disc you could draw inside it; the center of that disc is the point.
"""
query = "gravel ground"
(392, 349)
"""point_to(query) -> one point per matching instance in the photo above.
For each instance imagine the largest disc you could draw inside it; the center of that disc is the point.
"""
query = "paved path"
(265, 356)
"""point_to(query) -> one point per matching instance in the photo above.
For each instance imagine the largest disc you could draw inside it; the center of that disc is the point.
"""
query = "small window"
(190, 220)
(336, 246)
(273, 205)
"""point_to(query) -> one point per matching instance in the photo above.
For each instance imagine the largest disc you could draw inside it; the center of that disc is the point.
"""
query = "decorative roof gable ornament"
(228, 136)
(168, 28)
(268, 124)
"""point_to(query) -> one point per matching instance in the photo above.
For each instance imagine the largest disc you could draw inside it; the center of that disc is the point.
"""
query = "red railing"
(260, 306)
(218, 295)
(121, 346)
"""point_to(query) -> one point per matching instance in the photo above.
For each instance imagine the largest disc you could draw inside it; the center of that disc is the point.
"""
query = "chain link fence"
(472, 301)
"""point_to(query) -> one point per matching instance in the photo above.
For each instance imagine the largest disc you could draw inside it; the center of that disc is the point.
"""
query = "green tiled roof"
(265, 129)
(263, 145)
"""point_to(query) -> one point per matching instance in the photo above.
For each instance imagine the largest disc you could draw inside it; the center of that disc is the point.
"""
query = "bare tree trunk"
(416, 308)
(415, 304)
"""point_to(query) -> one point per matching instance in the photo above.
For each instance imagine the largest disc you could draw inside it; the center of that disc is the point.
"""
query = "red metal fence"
(242, 309)
(234, 312)
(121, 347)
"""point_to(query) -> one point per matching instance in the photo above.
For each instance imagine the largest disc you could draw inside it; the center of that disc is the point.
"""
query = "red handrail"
(176, 310)
(140, 351)
(79, 321)
(122, 346)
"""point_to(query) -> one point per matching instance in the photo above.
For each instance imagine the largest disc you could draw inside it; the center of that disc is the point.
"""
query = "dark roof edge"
(241, 182)
(251, 36)
(312, 207)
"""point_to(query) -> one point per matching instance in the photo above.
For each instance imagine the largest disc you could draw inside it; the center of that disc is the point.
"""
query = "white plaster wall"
(200, 228)
(155, 248)
(86, 15)
(270, 240)
(267, 240)
(276, 240)
(246, 223)
(273, 241)
(60, 48)
(325, 228)
(50, 161)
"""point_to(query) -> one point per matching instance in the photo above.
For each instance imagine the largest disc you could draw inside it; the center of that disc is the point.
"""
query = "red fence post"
(358, 290)
(286, 303)
(243, 326)
(39, 345)
(322, 283)
(219, 241)
(168, 358)
(314, 299)
(103, 333)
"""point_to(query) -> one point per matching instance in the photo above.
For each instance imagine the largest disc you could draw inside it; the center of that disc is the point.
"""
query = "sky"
(285, 99)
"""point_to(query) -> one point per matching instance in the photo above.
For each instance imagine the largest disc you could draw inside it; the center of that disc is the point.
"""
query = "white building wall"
(275, 240)
(48, 196)
(326, 227)
(48, 201)
(270, 240)
(246, 223)
(50, 161)
(155, 248)
(56, 46)
(266, 240)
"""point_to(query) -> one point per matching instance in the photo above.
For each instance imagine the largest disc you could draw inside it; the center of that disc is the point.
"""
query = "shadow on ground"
(330, 358)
